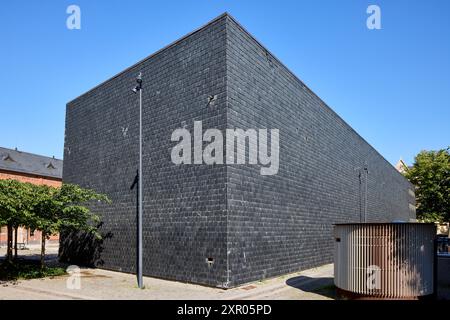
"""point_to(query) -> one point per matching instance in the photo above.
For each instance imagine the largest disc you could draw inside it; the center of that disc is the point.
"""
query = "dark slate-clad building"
(221, 224)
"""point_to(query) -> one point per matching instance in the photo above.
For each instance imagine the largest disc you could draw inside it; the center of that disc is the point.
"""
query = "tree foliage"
(15, 208)
(15, 202)
(430, 174)
(48, 209)
(74, 215)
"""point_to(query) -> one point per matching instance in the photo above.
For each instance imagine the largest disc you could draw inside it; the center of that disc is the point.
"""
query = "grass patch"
(11, 271)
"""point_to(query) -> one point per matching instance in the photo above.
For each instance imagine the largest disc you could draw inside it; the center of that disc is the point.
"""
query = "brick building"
(32, 168)
(221, 224)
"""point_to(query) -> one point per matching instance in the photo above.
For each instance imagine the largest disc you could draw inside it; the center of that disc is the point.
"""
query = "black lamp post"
(136, 89)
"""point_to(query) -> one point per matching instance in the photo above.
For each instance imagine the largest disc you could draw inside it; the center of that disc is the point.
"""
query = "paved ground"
(313, 284)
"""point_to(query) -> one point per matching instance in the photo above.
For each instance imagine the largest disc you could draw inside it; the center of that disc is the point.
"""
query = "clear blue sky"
(391, 85)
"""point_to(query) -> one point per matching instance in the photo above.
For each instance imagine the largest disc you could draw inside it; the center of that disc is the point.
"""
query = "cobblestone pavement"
(313, 284)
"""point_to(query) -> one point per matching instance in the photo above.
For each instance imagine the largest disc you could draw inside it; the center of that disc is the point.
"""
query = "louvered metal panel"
(386, 260)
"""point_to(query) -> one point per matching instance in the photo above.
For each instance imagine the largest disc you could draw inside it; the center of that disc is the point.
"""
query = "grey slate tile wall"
(283, 223)
(184, 206)
(253, 226)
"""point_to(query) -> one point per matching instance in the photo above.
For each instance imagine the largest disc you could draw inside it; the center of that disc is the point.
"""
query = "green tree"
(430, 174)
(15, 209)
(64, 208)
(48, 209)
(45, 214)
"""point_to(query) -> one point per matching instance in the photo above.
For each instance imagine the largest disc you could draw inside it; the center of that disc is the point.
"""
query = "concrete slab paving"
(313, 284)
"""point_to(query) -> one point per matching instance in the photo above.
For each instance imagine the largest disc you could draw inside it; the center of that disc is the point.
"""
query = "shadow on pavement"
(443, 292)
(321, 286)
(325, 287)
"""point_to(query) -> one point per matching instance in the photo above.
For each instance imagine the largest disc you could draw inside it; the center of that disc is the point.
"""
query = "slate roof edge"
(312, 92)
(11, 152)
(55, 177)
(225, 14)
(32, 154)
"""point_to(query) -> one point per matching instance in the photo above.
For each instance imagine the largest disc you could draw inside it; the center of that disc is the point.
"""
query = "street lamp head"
(139, 78)
(139, 83)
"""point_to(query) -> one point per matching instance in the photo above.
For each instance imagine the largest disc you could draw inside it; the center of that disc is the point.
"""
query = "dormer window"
(7, 157)
(50, 166)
